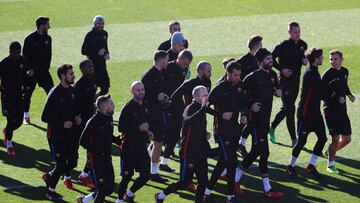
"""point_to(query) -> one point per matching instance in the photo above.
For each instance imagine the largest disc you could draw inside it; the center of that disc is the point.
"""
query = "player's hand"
(78, 120)
(144, 127)
(107, 56)
(243, 120)
(151, 135)
(305, 61)
(68, 124)
(333, 94)
(352, 98)
(161, 96)
(30, 73)
(342, 100)
(286, 72)
(205, 101)
(208, 135)
(278, 93)
(102, 52)
(227, 115)
(256, 107)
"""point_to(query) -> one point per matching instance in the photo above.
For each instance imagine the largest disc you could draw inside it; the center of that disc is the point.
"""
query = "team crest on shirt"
(302, 48)
(286, 92)
(21, 66)
(191, 165)
(272, 80)
(104, 37)
(345, 76)
(239, 89)
(146, 111)
(262, 140)
(72, 96)
(46, 43)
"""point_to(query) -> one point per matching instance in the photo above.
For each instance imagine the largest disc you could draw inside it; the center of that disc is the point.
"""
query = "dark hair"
(293, 24)
(173, 23)
(15, 45)
(101, 100)
(226, 61)
(186, 54)
(336, 52)
(63, 69)
(41, 20)
(232, 65)
(84, 63)
(254, 40)
(160, 54)
(313, 53)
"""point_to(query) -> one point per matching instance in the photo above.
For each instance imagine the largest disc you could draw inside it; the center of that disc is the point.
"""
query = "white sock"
(88, 198)
(266, 184)
(164, 161)
(207, 192)
(161, 195)
(229, 197)
(331, 163)
(26, 114)
(9, 143)
(119, 201)
(313, 160)
(224, 172)
(51, 189)
(293, 161)
(238, 174)
(154, 168)
(84, 175)
(242, 141)
(67, 177)
(129, 193)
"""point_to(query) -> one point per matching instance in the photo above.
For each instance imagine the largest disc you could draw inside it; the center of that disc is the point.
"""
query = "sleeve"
(48, 114)
(177, 95)
(275, 54)
(248, 82)
(27, 51)
(243, 101)
(87, 48)
(326, 89)
(85, 135)
(48, 60)
(106, 43)
(347, 89)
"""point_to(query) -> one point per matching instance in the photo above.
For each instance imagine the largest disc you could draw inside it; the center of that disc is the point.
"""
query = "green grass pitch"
(215, 29)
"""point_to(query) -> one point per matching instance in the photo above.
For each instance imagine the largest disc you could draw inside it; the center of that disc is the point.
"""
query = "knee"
(346, 139)
(323, 140)
(335, 140)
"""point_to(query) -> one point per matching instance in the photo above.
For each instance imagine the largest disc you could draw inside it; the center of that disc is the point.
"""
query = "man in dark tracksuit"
(194, 147)
(177, 45)
(228, 99)
(85, 88)
(260, 86)
(61, 115)
(174, 76)
(135, 129)
(309, 114)
(174, 26)
(12, 73)
(153, 81)
(335, 89)
(97, 139)
(37, 51)
(248, 64)
(290, 55)
(95, 47)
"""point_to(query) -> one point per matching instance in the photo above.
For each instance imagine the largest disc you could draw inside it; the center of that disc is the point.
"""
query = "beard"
(268, 66)
(69, 82)
(139, 97)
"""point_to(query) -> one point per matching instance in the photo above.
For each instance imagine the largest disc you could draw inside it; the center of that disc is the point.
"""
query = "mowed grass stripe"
(207, 37)
(68, 13)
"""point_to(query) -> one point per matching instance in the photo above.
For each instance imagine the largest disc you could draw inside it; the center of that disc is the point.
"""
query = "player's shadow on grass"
(38, 127)
(27, 157)
(327, 182)
(20, 189)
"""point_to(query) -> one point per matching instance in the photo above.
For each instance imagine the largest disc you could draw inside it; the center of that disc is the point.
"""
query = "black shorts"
(158, 123)
(338, 124)
(315, 124)
(138, 161)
